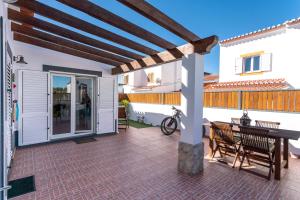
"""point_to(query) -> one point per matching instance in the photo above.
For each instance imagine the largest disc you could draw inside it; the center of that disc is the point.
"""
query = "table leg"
(286, 152)
(211, 143)
(277, 158)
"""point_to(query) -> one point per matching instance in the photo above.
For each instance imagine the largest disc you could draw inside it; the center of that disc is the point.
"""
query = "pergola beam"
(67, 43)
(202, 46)
(123, 65)
(44, 44)
(152, 13)
(119, 22)
(57, 30)
(67, 19)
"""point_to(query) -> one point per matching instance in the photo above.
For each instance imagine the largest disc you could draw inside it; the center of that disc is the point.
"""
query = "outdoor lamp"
(10, 1)
(20, 59)
(245, 119)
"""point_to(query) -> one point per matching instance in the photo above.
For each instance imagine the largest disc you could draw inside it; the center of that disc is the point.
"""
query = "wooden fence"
(283, 100)
(153, 98)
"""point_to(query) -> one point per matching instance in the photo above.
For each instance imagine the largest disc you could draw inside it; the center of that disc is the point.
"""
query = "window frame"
(252, 57)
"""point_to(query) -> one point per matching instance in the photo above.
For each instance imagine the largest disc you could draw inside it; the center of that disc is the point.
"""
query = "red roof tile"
(265, 84)
(261, 31)
(211, 78)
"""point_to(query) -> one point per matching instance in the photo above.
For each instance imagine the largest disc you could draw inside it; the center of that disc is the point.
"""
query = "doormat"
(21, 186)
(84, 140)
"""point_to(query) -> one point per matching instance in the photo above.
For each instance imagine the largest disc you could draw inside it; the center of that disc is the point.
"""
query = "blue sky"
(224, 18)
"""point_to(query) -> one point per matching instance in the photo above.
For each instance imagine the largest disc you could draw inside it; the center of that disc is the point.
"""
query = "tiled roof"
(211, 78)
(261, 31)
(255, 85)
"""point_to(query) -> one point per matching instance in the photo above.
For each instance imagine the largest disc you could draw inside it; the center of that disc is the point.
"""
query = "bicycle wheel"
(168, 125)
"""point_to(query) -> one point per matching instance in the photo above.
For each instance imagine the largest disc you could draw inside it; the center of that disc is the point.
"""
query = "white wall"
(154, 113)
(169, 74)
(284, 46)
(36, 57)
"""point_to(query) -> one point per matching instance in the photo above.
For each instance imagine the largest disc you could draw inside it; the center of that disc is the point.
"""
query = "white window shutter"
(238, 65)
(105, 110)
(33, 101)
(266, 62)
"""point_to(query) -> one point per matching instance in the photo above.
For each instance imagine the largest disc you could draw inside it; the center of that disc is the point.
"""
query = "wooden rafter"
(48, 45)
(123, 65)
(67, 19)
(152, 13)
(202, 46)
(51, 28)
(67, 43)
(119, 22)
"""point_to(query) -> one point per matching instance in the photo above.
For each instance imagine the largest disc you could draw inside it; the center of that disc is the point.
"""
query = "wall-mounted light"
(9, 1)
(20, 59)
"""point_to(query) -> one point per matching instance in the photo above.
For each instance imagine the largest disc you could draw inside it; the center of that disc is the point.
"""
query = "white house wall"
(169, 75)
(284, 46)
(36, 57)
(291, 68)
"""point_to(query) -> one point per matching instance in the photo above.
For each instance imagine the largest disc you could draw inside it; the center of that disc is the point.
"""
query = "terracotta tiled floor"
(138, 164)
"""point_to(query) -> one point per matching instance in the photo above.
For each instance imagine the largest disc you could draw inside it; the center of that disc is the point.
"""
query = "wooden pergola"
(34, 31)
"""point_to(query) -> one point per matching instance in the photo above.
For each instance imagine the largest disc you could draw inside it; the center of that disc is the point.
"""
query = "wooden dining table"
(278, 135)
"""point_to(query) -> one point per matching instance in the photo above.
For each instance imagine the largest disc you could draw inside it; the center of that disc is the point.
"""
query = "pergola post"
(191, 150)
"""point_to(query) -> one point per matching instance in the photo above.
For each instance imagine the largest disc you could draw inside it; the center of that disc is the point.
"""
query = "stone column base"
(190, 158)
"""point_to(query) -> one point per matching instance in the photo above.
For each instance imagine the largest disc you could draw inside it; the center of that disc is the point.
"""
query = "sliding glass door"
(72, 105)
(84, 104)
(62, 103)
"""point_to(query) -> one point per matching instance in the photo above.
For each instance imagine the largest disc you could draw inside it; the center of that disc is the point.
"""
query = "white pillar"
(190, 157)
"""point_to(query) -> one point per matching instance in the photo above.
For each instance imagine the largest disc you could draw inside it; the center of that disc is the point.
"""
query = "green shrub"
(125, 103)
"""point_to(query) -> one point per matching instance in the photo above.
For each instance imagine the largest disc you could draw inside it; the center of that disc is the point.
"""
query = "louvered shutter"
(266, 62)
(34, 115)
(8, 112)
(238, 65)
(105, 110)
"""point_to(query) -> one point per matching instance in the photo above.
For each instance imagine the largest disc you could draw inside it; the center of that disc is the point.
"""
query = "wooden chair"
(123, 117)
(235, 120)
(257, 147)
(267, 124)
(226, 142)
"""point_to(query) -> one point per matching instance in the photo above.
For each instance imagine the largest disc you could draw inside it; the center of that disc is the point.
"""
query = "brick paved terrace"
(138, 164)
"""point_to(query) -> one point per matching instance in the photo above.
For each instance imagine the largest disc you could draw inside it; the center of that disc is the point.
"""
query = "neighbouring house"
(265, 59)
(162, 78)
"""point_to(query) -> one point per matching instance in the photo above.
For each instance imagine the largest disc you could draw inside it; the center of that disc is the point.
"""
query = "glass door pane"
(84, 103)
(61, 93)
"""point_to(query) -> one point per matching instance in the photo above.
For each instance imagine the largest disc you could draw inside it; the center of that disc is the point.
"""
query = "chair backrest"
(235, 120)
(122, 112)
(267, 124)
(255, 139)
(223, 133)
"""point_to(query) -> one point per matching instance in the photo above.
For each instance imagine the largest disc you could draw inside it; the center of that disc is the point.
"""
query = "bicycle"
(169, 124)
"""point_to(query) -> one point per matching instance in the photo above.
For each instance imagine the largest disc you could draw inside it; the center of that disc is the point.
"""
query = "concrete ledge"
(190, 158)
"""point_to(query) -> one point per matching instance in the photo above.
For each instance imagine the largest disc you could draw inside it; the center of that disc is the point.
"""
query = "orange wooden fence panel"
(284, 100)
(172, 98)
